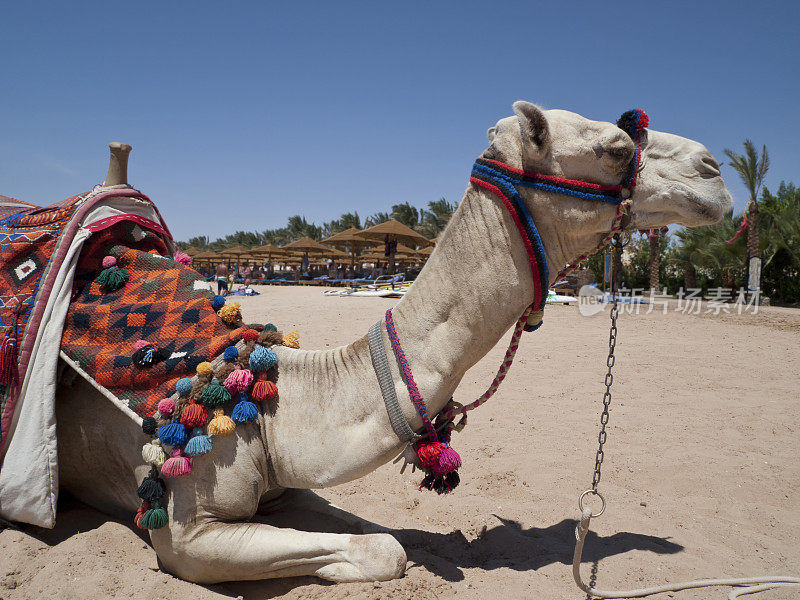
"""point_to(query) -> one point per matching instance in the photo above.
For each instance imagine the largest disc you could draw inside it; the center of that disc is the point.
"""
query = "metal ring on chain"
(599, 495)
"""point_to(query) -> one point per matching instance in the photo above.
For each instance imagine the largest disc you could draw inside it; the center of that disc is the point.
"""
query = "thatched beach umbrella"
(206, 256)
(394, 231)
(269, 252)
(336, 255)
(236, 251)
(306, 244)
(350, 240)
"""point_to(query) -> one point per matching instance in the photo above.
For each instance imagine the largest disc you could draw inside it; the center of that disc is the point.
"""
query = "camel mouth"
(706, 210)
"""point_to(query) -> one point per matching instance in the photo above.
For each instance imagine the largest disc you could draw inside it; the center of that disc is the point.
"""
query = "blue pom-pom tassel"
(173, 434)
(198, 444)
(244, 411)
(217, 302)
(231, 353)
(184, 386)
(262, 359)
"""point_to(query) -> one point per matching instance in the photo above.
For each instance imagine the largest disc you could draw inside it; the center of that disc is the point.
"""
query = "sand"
(701, 470)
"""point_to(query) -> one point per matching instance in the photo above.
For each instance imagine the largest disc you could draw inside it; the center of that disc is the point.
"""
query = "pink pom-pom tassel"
(182, 258)
(140, 344)
(239, 381)
(177, 465)
(449, 461)
(166, 406)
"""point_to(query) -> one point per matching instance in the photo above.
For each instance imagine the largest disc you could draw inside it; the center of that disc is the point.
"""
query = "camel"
(331, 425)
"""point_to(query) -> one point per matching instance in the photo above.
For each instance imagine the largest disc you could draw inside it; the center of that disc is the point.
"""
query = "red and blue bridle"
(504, 181)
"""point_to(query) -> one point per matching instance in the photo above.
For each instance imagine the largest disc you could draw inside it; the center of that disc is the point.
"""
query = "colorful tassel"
(112, 278)
(149, 425)
(177, 465)
(143, 508)
(154, 518)
(441, 484)
(239, 381)
(194, 415)
(262, 359)
(292, 340)
(166, 406)
(153, 453)
(264, 390)
(152, 486)
(198, 443)
(215, 394)
(205, 369)
(270, 327)
(231, 353)
(449, 462)
(183, 387)
(429, 453)
(217, 302)
(250, 335)
(221, 425)
(244, 411)
(230, 313)
(173, 434)
(183, 258)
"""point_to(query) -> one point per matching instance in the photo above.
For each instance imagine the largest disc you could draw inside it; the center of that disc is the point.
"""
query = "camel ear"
(490, 133)
(532, 124)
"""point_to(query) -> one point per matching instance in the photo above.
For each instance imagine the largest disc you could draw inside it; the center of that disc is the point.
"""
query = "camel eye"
(620, 153)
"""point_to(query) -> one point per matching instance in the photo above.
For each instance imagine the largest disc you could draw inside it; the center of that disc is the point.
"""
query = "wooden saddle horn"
(118, 164)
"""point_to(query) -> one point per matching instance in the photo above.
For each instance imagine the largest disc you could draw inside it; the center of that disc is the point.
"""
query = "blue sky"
(242, 114)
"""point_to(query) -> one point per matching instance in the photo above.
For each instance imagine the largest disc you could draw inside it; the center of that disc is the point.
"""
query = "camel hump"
(118, 164)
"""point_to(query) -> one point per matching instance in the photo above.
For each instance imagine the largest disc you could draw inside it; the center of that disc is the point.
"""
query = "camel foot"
(373, 557)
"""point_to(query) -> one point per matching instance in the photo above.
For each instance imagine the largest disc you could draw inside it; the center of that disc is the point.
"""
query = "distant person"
(247, 273)
(222, 279)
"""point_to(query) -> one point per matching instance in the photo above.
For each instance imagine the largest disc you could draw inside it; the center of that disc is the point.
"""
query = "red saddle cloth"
(163, 302)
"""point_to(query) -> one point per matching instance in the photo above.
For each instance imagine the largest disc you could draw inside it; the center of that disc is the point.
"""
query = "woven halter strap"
(503, 181)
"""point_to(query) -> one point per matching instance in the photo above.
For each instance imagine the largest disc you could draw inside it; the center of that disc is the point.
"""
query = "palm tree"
(751, 169)
(376, 219)
(434, 220)
(346, 221)
(405, 213)
(708, 248)
(780, 243)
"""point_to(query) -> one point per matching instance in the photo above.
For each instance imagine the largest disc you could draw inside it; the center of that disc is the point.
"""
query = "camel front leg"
(214, 551)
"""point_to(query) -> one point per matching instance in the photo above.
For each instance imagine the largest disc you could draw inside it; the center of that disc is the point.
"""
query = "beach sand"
(701, 469)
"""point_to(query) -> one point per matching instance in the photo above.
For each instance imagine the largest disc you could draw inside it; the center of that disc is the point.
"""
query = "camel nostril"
(707, 165)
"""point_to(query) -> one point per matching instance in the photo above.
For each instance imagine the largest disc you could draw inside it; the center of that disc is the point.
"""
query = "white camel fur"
(330, 425)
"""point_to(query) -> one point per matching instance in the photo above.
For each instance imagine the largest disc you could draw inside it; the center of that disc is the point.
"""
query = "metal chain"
(601, 437)
(617, 244)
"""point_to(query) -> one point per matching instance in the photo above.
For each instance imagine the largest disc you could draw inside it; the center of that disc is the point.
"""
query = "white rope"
(755, 584)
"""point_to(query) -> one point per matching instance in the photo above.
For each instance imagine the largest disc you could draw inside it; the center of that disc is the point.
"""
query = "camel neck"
(473, 288)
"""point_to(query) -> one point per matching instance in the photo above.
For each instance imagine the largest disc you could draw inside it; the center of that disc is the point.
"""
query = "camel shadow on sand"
(505, 545)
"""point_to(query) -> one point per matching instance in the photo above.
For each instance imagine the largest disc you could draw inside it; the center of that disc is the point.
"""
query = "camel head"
(679, 181)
